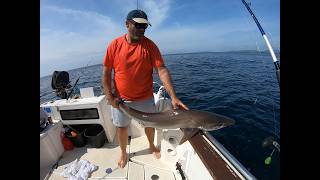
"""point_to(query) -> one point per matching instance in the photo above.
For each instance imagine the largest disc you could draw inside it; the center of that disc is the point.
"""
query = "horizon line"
(196, 52)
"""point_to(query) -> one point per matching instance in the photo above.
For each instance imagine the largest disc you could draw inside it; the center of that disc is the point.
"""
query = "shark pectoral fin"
(188, 134)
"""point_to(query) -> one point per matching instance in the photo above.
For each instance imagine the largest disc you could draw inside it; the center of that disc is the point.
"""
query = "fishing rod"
(275, 61)
(269, 141)
(68, 96)
(73, 88)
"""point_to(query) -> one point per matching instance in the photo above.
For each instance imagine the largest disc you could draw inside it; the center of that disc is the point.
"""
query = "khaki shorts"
(119, 119)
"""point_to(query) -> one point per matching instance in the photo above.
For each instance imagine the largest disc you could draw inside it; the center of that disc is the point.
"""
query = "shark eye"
(220, 124)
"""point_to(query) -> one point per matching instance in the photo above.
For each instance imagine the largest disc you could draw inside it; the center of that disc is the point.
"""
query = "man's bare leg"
(150, 135)
(123, 141)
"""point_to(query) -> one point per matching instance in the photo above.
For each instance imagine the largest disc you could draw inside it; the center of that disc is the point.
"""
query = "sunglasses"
(139, 25)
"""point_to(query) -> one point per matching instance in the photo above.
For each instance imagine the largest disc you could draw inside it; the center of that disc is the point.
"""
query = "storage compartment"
(55, 135)
(51, 147)
(95, 135)
(79, 139)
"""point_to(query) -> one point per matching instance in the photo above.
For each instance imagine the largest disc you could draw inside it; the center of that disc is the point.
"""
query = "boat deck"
(141, 164)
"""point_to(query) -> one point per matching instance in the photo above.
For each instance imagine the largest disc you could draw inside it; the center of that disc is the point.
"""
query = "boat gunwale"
(234, 162)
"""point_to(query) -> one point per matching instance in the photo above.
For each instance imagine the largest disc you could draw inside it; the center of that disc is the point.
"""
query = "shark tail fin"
(188, 134)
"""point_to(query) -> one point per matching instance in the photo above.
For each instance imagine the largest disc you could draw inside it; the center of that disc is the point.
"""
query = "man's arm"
(167, 82)
(106, 81)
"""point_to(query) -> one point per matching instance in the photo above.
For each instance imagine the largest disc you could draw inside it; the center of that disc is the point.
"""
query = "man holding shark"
(132, 58)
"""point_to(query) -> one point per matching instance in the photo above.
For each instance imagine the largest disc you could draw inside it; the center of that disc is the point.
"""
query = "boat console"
(88, 110)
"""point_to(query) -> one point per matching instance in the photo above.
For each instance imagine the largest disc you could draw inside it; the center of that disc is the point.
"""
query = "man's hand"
(176, 103)
(114, 102)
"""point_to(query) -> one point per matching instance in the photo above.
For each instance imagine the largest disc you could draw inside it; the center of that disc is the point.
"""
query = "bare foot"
(155, 151)
(123, 160)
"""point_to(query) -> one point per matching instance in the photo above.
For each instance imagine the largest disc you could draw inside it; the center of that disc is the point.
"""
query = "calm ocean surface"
(240, 85)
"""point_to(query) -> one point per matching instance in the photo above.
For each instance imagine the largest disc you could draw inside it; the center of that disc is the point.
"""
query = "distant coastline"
(233, 51)
(186, 53)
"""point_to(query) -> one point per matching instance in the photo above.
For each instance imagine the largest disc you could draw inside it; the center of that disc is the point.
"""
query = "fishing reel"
(270, 142)
(62, 93)
(162, 93)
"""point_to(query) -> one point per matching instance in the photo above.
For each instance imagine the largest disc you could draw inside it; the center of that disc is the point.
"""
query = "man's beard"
(138, 35)
(134, 37)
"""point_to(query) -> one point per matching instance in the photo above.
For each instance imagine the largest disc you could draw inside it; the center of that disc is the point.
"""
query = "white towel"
(78, 170)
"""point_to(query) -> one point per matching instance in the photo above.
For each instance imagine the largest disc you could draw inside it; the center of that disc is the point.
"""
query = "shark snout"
(228, 122)
(210, 125)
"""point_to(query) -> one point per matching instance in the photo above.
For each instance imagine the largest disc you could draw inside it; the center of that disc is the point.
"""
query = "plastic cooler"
(95, 135)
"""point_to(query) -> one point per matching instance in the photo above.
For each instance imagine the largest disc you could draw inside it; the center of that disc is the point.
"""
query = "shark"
(189, 121)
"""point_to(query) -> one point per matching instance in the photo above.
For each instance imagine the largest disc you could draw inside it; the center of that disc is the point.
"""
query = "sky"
(74, 34)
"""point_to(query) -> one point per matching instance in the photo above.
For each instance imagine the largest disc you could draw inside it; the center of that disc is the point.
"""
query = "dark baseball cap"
(138, 16)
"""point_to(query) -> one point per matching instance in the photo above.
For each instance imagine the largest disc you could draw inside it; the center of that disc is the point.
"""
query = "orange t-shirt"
(133, 67)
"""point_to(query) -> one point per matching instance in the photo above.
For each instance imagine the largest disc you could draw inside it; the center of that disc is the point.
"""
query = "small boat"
(200, 157)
